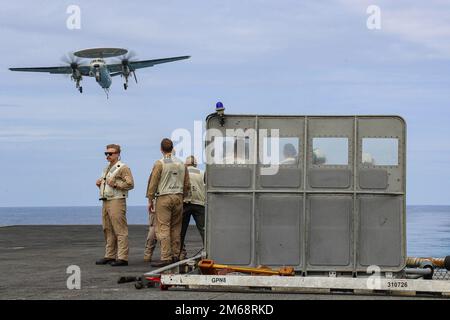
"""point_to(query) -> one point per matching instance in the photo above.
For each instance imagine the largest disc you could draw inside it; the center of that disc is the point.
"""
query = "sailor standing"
(194, 203)
(114, 184)
(169, 183)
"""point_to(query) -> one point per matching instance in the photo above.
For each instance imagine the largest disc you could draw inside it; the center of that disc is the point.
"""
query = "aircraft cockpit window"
(379, 151)
(330, 151)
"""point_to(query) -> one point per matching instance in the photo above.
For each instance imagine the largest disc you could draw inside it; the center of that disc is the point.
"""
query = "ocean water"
(65, 215)
(428, 230)
(428, 227)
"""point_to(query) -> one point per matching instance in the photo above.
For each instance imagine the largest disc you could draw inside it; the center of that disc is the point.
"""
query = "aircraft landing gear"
(78, 86)
(125, 84)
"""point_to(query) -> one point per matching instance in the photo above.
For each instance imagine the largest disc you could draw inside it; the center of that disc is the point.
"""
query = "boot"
(104, 261)
(161, 263)
(119, 263)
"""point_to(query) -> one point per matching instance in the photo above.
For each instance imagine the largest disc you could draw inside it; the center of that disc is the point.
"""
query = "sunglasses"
(109, 153)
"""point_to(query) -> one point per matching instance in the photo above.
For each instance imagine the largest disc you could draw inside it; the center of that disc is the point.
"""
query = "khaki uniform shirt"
(123, 180)
(155, 177)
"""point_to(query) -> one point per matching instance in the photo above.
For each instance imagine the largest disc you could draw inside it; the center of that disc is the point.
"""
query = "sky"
(257, 57)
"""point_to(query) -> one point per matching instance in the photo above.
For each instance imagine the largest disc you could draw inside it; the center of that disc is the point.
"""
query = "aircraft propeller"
(74, 62)
(126, 71)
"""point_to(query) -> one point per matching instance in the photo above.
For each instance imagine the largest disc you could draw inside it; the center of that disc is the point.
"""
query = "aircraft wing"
(143, 63)
(55, 70)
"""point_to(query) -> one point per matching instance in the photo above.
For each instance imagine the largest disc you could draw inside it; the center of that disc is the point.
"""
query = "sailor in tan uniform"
(114, 184)
(169, 183)
(194, 203)
(150, 243)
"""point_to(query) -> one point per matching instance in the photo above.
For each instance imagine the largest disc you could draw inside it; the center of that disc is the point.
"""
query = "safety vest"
(172, 176)
(107, 192)
(197, 191)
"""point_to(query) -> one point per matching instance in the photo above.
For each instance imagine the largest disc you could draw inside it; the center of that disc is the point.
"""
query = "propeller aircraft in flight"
(99, 68)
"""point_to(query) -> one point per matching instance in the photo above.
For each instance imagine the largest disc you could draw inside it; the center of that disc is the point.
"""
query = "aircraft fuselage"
(100, 72)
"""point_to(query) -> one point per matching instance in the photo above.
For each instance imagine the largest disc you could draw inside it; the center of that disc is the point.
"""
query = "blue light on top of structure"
(219, 105)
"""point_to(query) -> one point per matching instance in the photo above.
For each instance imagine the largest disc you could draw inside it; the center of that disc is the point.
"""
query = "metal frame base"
(313, 284)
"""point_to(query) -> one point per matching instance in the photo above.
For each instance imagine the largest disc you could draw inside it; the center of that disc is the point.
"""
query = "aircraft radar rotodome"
(100, 52)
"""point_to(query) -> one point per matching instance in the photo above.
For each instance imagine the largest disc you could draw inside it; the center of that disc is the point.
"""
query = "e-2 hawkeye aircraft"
(98, 68)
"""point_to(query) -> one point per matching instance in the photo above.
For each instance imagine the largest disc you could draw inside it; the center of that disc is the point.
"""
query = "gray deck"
(34, 261)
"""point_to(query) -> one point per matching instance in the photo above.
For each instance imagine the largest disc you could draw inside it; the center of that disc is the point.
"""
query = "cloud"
(34, 133)
(423, 23)
(9, 105)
